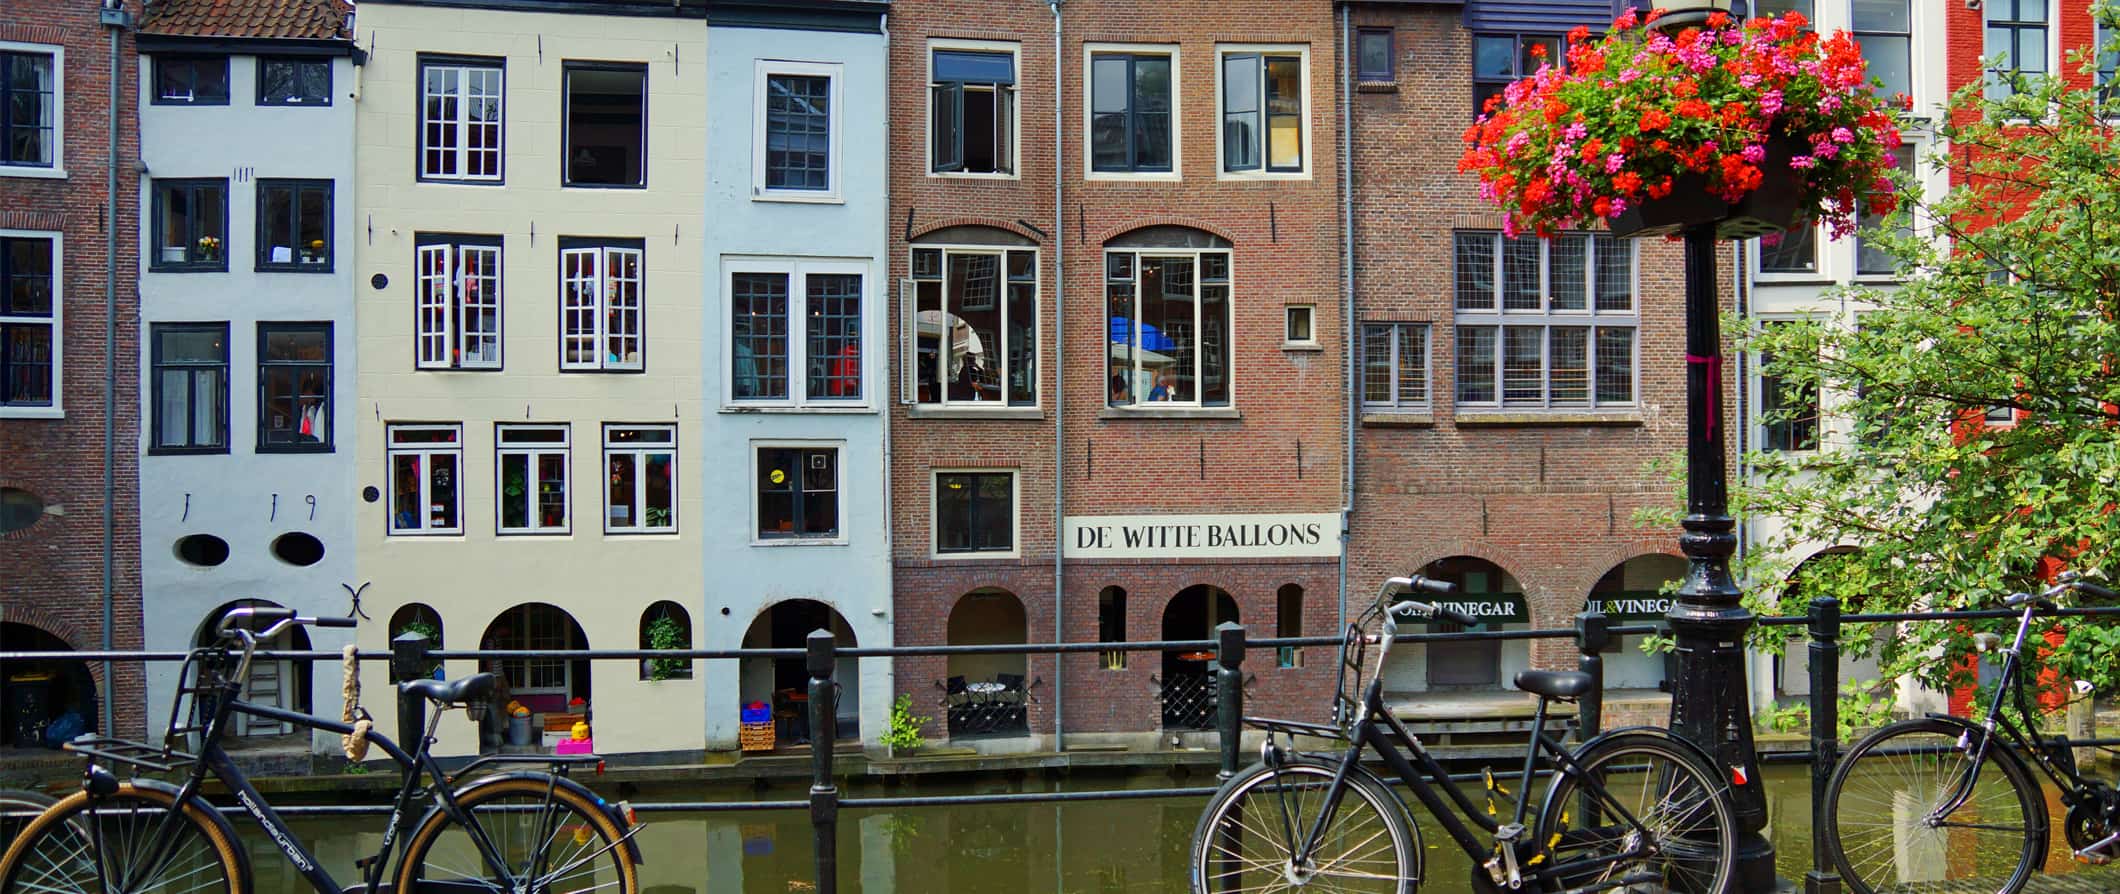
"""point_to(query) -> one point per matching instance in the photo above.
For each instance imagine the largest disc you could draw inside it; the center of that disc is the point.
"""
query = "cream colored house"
(528, 262)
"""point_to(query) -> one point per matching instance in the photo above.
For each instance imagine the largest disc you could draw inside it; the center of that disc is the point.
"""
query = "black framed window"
(972, 111)
(294, 225)
(294, 387)
(1498, 59)
(29, 322)
(1262, 112)
(2016, 31)
(798, 137)
(191, 80)
(1375, 59)
(1130, 106)
(1545, 323)
(29, 92)
(190, 384)
(798, 493)
(607, 125)
(191, 225)
(294, 82)
(975, 512)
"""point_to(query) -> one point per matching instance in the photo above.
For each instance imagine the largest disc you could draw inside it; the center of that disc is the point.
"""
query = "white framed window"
(796, 492)
(1872, 260)
(1263, 91)
(1395, 367)
(975, 513)
(600, 304)
(640, 466)
(972, 111)
(795, 333)
(1130, 119)
(458, 302)
(968, 327)
(1885, 31)
(426, 480)
(530, 479)
(795, 147)
(1168, 315)
(31, 324)
(1794, 257)
(1299, 325)
(1788, 412)
(536, 627)
(460, 119)
(33, 94)
(1546, 323)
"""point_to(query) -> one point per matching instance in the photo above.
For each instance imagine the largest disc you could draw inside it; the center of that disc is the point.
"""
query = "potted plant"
(1753, 126)
(665, 633)
(209, 248)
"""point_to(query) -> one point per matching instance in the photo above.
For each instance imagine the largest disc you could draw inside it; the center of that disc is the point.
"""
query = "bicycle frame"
(2011, 682)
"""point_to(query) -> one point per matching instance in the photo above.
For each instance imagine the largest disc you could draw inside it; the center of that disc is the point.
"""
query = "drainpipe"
(889, 608)
(1354, 395)
(113, 17)
(1059, 385)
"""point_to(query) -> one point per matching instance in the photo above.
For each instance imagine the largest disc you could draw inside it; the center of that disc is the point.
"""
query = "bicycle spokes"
(542, 846)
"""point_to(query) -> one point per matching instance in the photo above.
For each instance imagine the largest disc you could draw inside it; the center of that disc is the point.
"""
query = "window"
(972, 111)
(19, 509)
(30, 92)
(190, 387)
(1288, 623)
(1299, 328)
(600, 284)
(1790, 409)
(1263, 126)
(975, 512)
(1871, 257)
(1545, 323)
(530, 488)
(2102, 42)
(1795, 253)
(191, 225)
(1498, 59)
(460, 120)
(534, 627)
(795, 146)
(1111, 626)
(974, 325)
(294, 387)
(1395, 366)
(191, 80)
(1375, 59)
(294, 225)
(1764, 8)
(294, 82)
(798, 493)
(458, 302)
(1132, 101)
(426, 462)
(1884, 29)
(29, 321)
(767, 301)
(606, 141)
(640, 462)
(2016, 31)
(1168, 316)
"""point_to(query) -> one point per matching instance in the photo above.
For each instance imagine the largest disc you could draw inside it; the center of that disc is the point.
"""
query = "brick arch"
(1602, 562)
(43, 619)
(1162, 220)
(975, 221)
(1476, 549)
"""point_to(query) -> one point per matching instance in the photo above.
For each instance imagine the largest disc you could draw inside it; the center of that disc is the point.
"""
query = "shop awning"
(1631, 605)
(1491, 608)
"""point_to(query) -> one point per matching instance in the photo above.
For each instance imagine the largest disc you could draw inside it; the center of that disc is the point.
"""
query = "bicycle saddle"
(1553, 684)
(477, 687)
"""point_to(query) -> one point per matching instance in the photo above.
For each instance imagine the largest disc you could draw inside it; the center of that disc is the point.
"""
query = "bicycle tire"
(594, 843)
(1908, 763)
(72, 845)
(1214, 845)
(1690, 815)
(14, 800)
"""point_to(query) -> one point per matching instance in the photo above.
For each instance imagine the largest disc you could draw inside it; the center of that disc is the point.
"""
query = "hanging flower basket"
(1754, 127)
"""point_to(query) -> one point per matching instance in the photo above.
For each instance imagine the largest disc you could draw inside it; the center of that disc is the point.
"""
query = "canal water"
(1100, 847)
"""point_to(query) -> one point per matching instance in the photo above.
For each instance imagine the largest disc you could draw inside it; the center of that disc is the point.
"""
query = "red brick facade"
(51, 572)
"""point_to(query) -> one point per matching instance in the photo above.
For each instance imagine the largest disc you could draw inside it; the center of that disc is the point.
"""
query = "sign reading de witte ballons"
(1300, 535)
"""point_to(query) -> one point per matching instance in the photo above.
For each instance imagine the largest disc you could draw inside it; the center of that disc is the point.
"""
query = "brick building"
(1167, 337)
(57, 226)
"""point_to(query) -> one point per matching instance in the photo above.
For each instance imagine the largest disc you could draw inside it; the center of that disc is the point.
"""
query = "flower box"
(1775, 206)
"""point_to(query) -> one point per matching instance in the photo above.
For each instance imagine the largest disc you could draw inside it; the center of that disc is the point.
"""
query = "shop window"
(601, 305)
(790, 321)
(1395, 366)
(1263, 111)
(972, 111)
(426, 462)
(1375, 59)
(19, 509)
(974, 328)
(30, 311)
(1501, 59)
(796, 148)
(640, 462)
(798, 493)
(201, 550)
(1545, 323)
(1300, 325)
(294, 387)
(975, 512)
(1168, 318)
(1132, 97)
(30, 89)
(1790, 409)
(458, 302)
(190, 226)
(607, 125)
(1288, 623)
(531, 489)
(2016, 32)
(294, 82)
(294, 225)
(1111, 626)
(665, 626)
(190, 387)
(298, 549)
(460, 120)
(191, 80)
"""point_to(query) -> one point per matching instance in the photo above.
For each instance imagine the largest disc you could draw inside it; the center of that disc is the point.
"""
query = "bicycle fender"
(629, 842)
(212, 816)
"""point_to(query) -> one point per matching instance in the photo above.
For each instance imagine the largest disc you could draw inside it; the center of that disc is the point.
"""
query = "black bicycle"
(1945, 803)
(521, 832)
(1633, 809)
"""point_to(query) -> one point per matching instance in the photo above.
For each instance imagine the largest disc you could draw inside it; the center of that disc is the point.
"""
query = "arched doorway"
(1484, 591)
(987, 694)
(1633, 593)
(43, 703)
(782, 685)
(1859, 662)
(1188, 676)
(281, 684)
(413, 617)
(556, 691)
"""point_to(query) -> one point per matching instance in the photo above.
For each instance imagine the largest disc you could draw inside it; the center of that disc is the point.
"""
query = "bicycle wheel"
(134, 841)
(1881, 825)
(552, 839)
(18, 808)
(1642, 811)
(1245, 839)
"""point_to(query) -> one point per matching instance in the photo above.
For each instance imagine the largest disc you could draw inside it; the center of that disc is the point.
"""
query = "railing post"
(408, 661)
(1825, 735)
(824, 795)
(1229, 694)
(1592, 635)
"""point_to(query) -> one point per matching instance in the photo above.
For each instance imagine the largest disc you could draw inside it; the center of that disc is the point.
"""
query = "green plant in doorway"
(664, 633)
(903, 732)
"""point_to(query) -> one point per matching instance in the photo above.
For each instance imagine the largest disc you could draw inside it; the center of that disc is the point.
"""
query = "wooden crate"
(563, 723)
(756, 736)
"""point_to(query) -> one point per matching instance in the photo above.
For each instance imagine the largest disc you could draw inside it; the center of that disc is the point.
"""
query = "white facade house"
(246, 337)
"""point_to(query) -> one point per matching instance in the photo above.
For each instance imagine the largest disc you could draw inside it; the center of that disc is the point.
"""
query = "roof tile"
(305, 19)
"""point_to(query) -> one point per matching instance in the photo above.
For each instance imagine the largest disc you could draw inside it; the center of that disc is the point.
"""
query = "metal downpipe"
(1059, 385)
(1347, 308)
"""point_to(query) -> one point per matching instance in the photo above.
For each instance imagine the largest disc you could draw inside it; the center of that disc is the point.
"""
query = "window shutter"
(947, 109)
(908, 337)
(1005, 129)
